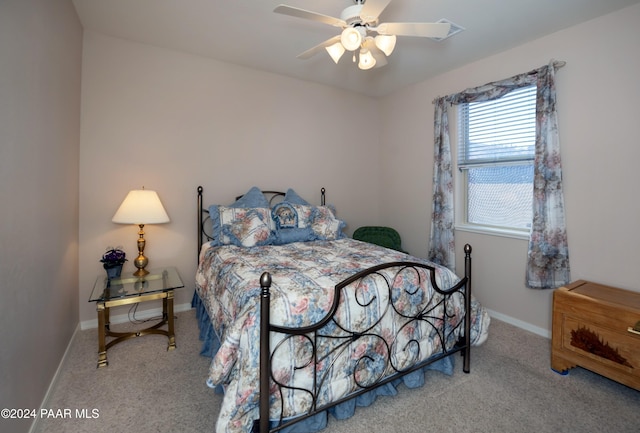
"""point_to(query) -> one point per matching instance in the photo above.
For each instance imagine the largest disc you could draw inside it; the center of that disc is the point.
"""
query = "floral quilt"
(304, 275)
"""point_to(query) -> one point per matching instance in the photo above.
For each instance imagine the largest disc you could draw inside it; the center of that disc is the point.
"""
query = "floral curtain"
(441, 243)
(548, 258)
(548, 254)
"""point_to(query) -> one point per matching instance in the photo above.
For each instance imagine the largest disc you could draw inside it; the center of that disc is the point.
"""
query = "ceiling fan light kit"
(352, 38)
(386, 43)
(335, 51)
(359, 23)
(366, 60)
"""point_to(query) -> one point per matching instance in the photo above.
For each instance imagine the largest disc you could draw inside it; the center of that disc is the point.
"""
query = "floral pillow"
(246, 227)
(325, 224)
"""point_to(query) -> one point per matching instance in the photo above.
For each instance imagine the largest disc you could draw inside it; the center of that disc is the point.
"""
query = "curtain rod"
(557, 64)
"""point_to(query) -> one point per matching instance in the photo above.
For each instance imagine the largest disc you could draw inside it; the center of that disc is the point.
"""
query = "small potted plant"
(112, 260)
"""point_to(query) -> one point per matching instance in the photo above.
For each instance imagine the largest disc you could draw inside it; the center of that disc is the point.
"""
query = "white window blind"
(500, 131)
(496, 149)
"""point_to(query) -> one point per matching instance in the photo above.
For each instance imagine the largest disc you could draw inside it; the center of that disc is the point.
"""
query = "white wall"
(40, 53)
(172, 121)
(597, 113)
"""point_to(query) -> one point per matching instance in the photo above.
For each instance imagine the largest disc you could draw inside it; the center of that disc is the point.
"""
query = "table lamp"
(141, 207)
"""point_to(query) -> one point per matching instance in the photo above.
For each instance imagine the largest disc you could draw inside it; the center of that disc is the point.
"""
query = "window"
(495, 157)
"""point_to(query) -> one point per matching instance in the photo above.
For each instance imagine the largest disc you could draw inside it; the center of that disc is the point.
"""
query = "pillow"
(325, 224)
(292, 223)
(253, 198)
(309, 223)
(284, 216)
(246, 227)
(287, 215)
(287, 236)
(292, 197)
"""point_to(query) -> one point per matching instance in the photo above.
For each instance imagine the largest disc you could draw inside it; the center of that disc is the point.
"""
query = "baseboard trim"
(54, 381)
(140, 315)
(520, 324)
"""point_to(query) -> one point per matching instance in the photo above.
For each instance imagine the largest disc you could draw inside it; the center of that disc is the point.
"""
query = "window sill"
(493, 231)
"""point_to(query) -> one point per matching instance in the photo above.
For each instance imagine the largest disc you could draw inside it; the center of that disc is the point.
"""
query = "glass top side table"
(158, 284)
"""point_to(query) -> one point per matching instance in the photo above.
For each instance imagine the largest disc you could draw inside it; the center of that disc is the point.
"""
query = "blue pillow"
(292, 197)
(253, 198)
(292, 223)
(286, 236)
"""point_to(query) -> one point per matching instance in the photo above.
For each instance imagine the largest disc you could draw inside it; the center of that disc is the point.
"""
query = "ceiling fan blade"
(372, 9)
(315, 50)
(427, 30)
(309, 15)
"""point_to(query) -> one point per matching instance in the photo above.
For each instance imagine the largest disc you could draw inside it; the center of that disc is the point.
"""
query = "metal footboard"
(312, 337)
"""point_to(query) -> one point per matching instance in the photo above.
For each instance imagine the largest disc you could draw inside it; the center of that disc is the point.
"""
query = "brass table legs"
(104, 330)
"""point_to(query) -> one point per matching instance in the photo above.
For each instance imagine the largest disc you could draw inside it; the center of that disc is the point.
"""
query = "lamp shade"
(351, 38)
(381, 59)
(378, 55)
(386, 43)
(335, 51)
(366, 60)
(141, 206)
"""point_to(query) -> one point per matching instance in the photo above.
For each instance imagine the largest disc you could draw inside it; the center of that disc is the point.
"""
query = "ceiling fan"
(362, 33)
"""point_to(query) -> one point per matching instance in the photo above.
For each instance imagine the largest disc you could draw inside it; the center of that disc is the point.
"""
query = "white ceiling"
(249, 33)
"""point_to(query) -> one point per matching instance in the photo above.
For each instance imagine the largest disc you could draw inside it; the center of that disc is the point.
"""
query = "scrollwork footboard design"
(382, 325)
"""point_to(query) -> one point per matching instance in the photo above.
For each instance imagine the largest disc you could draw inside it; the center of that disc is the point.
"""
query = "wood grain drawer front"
(615, 348)
(606, 314)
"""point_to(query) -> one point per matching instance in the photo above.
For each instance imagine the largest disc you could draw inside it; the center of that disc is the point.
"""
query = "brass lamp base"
(141, 261)
(141, 272)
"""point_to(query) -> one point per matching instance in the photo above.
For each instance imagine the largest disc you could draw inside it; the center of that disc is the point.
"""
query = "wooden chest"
(593, 327)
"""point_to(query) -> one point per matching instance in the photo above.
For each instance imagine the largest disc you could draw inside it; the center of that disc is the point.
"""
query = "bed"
(302, 321)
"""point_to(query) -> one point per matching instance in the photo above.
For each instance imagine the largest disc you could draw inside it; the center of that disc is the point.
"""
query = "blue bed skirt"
(211, 344)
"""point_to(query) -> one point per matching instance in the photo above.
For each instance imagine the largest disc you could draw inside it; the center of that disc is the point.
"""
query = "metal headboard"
(203, 213)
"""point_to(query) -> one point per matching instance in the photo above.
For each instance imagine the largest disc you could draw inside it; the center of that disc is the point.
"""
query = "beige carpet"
(510, 389)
